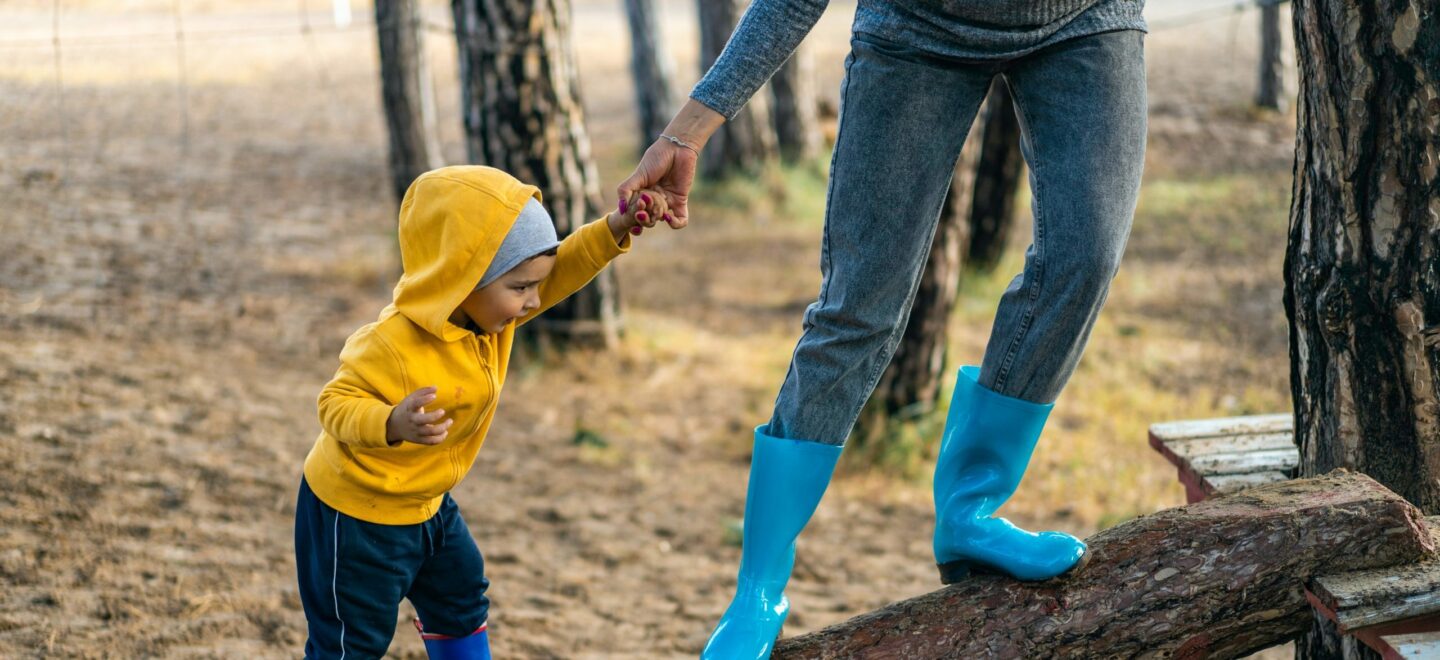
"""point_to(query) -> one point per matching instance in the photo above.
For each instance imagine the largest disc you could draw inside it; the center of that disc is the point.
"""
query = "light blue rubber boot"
(475, 646)
(989, 438)
(787, 479)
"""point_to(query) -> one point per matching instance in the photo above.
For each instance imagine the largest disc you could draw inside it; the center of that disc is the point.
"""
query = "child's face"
(510, 297)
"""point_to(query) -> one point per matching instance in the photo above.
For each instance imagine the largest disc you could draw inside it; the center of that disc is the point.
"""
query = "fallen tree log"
(1219, 578)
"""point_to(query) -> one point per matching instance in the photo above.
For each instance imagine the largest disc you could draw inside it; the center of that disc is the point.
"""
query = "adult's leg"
(1082, 110)
(1083, 116)
(903, 119)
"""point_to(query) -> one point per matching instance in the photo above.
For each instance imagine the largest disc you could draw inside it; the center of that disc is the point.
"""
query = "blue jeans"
(904, 115)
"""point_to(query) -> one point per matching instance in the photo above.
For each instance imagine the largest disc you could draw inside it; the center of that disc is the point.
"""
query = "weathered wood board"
(1414, 646)
(1227, 455)
(1378, 596)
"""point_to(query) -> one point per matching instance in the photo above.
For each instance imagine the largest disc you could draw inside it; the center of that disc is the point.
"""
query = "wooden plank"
(1374, 636)
(1382, 596)
(1226, 455)
(1192, 447)
(1224, 484)
(1414, 646)
(1201, 428)
(1274, 460)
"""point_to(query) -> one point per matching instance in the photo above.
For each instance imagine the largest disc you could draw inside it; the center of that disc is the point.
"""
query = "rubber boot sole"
(955, 571)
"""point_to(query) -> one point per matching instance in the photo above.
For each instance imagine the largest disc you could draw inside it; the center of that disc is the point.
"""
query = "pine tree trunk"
(1216, 579)
(747, 141)
(797, 123)
(407, 92)
(1362, 286)
(997, 180)
(523, 115)
(651, 65)
(1270, 93)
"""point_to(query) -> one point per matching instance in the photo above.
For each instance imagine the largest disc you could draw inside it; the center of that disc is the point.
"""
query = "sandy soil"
(176, 285)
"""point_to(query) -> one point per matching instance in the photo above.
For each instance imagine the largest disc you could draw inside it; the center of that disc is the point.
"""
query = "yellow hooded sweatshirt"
(452, 222)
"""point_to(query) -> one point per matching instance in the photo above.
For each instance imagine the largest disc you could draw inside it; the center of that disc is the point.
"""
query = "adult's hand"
(670, 168)
(667, 168)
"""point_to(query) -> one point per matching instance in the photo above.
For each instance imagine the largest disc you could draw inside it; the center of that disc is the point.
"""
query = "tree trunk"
(523, 115)
(747, 141)
(1362, 289)
(1270, 93)
(997, 180)
(910, 386)
(652, 68)
(797, 122)
(1219, 578)
(407, 92)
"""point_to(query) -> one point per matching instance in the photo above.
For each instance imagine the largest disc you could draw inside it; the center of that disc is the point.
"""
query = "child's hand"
(644, 209)
(409, 422)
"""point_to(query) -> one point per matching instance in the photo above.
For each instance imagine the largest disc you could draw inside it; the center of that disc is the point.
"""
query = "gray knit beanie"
(532, 234)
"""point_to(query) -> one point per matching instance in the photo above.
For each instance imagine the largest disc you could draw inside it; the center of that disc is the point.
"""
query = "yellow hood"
(452, 222)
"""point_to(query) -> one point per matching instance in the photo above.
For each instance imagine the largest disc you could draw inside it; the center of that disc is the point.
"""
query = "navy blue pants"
(353, 574)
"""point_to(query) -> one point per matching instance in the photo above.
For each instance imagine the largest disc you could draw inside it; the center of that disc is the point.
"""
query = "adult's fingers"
(679, 214)
(653, 167)
(642, 177)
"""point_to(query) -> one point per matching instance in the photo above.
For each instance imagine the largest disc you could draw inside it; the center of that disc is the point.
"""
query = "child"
(412, 400)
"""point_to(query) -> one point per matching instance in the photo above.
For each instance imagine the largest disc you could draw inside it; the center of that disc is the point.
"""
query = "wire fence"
(176, 168)
(185, 175)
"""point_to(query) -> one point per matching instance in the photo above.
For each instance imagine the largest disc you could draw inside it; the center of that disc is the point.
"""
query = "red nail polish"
(669, 220)
(642, 216)
(645, 198)
(636, 230)
(622, 206)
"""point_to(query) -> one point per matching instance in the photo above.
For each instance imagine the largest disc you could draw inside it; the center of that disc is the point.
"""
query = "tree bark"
(797, 122)
(521, 101)
(1362, 287)
(1270, 92)
(652, 68)
(1219, 578)
(997, 180)
(1362, 290)
(407, 92)
(746, 142)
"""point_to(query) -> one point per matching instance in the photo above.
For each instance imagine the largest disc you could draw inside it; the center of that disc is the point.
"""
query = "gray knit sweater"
(962, 29)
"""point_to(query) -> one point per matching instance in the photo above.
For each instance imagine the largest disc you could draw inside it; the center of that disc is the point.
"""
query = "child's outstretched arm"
(586, 252)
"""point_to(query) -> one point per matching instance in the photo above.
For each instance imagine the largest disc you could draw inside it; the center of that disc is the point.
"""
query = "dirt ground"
(175, 287)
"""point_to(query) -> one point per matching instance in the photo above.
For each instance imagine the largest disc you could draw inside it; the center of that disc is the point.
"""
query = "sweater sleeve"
(580, 257)
(354, 405)
(768, 33)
